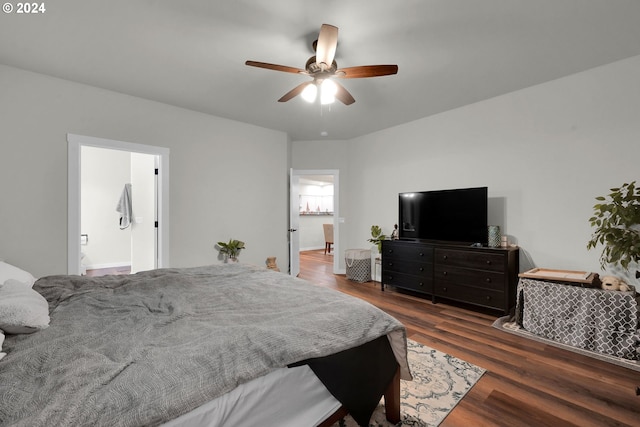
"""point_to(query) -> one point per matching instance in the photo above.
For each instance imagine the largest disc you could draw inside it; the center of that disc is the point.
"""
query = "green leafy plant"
(231, 249)
(377, 237)
(616, 220)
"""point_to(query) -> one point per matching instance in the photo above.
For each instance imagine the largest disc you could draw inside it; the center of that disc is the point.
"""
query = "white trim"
(73, 181)
(108, 265)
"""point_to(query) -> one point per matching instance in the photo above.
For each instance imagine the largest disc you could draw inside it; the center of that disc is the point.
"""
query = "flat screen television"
(458, 215)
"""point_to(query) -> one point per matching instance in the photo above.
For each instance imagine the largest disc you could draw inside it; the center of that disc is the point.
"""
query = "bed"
(214, 345)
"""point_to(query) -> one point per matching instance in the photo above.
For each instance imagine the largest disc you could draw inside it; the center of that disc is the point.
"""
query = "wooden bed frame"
(391, 404)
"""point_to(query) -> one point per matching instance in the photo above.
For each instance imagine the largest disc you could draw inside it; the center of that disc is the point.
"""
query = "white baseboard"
(108, 265)
(314, 248)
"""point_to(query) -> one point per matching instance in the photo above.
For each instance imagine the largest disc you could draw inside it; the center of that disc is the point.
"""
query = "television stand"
(480, 276)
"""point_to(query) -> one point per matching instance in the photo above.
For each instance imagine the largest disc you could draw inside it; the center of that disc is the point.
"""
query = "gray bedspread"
(143, 349)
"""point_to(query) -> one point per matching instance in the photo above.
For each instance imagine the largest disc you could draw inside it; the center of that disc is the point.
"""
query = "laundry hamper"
(358, 264)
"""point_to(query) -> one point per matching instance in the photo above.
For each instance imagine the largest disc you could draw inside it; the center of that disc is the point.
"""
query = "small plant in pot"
(231, 249)
(616, 220)
(377, 237)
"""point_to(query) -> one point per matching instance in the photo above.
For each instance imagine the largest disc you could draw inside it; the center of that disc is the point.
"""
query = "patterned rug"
(440, 381)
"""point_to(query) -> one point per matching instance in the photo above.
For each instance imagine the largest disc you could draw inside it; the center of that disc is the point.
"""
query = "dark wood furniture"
(527, 383)
(485, 277)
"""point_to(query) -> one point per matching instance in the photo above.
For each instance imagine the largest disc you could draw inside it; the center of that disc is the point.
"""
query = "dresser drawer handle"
(421, 254)
(390, 264)
(444, 273)
(421, 269)
(488, 298)
(488, 279)
(421, 284)
(488, 262)
(444, 257)
(444, 289)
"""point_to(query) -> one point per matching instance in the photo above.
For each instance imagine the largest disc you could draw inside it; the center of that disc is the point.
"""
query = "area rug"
(507, 324)
(440, 381)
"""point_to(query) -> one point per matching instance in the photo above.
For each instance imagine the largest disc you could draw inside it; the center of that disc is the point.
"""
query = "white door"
(294, 223)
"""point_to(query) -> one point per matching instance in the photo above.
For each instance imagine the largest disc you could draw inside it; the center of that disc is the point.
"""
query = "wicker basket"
(358, 264)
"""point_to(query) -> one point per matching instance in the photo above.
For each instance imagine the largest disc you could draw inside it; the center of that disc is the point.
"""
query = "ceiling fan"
(323, 69)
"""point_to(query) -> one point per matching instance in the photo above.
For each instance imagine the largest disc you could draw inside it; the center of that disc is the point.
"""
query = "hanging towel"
(124, 207)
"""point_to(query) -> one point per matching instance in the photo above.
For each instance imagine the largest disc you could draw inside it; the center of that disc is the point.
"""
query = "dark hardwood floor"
(527, 383)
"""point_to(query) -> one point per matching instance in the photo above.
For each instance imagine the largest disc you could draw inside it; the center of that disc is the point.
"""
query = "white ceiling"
(191, 53)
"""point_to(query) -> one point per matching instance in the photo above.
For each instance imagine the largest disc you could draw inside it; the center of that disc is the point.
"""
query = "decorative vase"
(494, 236)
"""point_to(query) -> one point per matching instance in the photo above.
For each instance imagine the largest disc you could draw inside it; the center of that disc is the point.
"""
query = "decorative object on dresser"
(484, 277)
(377, 237)
(494, 236)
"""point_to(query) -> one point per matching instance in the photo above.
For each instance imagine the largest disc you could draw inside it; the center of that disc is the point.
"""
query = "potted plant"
(377, 237)
(616, 220)
(231, 250)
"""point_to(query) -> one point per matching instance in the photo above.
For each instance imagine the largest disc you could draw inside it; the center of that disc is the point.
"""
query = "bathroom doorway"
(99, 170)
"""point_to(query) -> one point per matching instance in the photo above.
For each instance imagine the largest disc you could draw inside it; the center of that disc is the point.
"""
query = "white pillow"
(22, 310)
(8, 271)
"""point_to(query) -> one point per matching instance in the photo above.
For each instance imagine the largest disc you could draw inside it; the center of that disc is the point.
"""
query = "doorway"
(146, 238)
(113, 242)
(298, 179)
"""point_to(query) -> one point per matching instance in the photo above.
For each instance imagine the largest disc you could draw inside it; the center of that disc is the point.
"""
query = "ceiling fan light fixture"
(310, 93)
(328, 90)
(322, 68)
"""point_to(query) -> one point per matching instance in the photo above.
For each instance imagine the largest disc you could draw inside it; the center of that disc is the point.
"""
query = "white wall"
(311, 231)
(545, 153)
(228, 179)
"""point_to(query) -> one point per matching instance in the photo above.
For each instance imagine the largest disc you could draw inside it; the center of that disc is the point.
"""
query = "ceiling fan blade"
(343, 95)
(294, 92)
(275, 67)
(366, 71)
(326, 47)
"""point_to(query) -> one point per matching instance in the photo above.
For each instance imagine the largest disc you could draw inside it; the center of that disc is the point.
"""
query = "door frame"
(336, 210)
(75, 143)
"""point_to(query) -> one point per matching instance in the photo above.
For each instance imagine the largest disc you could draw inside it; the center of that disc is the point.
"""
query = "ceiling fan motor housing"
(313, 67)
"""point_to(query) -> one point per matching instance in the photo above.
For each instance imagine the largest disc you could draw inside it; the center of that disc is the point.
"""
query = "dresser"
(483, 277)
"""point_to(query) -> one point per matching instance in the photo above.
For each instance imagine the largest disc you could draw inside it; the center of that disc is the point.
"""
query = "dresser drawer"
(408, 267)
(470, 259)
(407, 281)
(410, 252)
(478, 278)
(469, 294)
